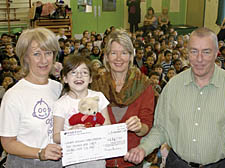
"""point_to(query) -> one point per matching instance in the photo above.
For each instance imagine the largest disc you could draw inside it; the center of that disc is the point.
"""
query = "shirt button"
(201, 93)
(199, 108)
(196, 124)
(194, 140)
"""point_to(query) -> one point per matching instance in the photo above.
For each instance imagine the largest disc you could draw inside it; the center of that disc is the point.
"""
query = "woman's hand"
(134, 124)
(51, 152)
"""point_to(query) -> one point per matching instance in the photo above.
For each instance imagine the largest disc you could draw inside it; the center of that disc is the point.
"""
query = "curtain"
(221, 12)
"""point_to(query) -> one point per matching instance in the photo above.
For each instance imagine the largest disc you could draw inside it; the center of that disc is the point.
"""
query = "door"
(96, 15)
(195, 13)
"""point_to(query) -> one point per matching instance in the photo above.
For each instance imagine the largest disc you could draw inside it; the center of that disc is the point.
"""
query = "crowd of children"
(160, 53)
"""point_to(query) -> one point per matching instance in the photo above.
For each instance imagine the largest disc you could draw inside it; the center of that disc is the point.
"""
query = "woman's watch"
(39, 155)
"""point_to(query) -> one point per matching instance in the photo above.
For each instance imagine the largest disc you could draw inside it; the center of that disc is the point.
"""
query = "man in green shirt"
(190, 114)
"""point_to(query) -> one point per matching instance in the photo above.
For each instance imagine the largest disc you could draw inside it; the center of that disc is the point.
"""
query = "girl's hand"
(78, 126)
(51, 152)
(134, 124)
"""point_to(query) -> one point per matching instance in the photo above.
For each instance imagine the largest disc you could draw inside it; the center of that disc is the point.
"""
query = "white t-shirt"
(26, 112)
(66, 106)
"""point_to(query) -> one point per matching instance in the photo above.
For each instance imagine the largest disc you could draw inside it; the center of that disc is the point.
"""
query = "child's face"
(5, 64)
(221, 43)
(13, 63)
(9, 49)
(89, 46)
(92, 38)
(157, 47)
(78, 79)
(77, 46)
(86, 34)
(84, 40)
(159, 70)
(170, 45)
(140, 54)
(67, 50)
(150, 61)
(148, 49)
(19, 75)
(150, 12)
(96, 50)
(5, 39)
(61, 44)
(96, 65)
(185, 53)
(171, 74)
(68, 44)
(101, 71)
(175, 56)
(7, 81)
(154, 80)
(178, 66)
(99, 37)
(168, 57)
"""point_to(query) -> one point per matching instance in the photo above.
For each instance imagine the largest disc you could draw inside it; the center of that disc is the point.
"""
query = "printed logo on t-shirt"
(50, 122)
(41, 110)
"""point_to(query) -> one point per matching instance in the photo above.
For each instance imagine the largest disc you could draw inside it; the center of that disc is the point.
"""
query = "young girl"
(76, 76)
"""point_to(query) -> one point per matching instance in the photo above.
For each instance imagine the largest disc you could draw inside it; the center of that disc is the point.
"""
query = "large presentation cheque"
(94, 143)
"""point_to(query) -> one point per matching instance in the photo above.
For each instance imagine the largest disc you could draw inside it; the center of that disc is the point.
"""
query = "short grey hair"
(203, 32)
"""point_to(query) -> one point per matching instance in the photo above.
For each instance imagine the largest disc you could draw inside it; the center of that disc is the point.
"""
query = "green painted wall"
(99, 22)
(176, 18)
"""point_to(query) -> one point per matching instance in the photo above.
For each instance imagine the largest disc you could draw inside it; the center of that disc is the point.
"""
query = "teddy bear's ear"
(96, 98)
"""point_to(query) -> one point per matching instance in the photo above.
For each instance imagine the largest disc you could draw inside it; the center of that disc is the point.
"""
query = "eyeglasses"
(206, 52)
(82, 73)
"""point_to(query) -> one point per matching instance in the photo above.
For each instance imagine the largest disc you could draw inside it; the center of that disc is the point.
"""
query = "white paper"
(82, 145)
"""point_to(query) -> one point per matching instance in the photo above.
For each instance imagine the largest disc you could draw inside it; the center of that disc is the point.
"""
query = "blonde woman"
(26, 122)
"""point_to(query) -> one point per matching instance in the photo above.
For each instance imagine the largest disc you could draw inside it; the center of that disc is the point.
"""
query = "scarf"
(134, 86)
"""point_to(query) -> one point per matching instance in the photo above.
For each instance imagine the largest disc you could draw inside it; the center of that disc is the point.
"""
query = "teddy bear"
(88, 113)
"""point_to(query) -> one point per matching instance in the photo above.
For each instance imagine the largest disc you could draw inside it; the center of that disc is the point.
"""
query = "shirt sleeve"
(103, 102)
(10, 115)
(59, 109)
(146, 111)
(157, 135)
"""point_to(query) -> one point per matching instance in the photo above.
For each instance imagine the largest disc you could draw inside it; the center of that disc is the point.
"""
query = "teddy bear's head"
(88, 105)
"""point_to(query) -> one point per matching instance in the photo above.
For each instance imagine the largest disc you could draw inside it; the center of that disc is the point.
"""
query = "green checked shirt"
(191, 119)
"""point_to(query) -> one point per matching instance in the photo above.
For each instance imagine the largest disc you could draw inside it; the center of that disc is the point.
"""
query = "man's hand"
(135, 155)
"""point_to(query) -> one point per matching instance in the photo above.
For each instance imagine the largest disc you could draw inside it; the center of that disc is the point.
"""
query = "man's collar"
(215, 79)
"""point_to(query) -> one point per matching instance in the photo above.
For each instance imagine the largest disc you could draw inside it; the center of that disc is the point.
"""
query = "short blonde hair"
(44, 37)
(122, 37)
